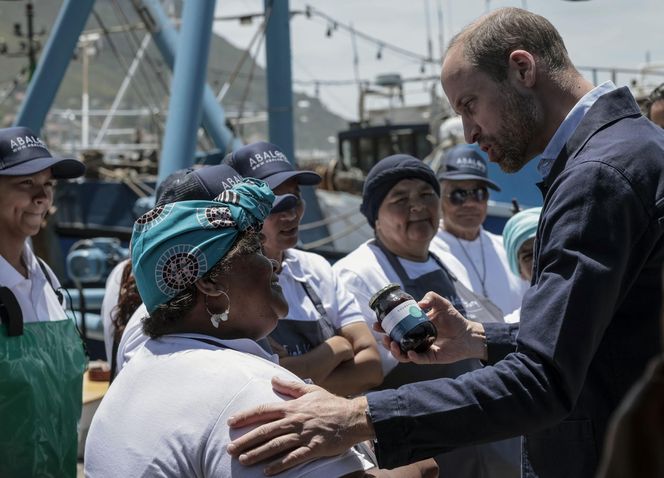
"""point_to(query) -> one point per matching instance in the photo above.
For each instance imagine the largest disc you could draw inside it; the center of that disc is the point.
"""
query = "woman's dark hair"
(162, 319)
(128, 301)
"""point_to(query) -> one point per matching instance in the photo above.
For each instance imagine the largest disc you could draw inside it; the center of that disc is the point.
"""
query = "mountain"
(314, 124)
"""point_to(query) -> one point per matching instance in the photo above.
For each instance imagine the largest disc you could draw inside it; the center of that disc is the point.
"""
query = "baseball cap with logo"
(22, 153)
(266, 161)
(465, 162)
(203, 184)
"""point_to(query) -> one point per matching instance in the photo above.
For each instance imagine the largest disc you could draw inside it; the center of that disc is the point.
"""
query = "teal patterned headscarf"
(518, 229)
(174, 245)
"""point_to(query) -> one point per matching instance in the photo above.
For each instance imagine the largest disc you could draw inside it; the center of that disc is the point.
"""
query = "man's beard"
(510, 146)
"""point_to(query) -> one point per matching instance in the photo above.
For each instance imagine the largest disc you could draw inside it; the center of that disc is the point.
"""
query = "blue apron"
(298, 337)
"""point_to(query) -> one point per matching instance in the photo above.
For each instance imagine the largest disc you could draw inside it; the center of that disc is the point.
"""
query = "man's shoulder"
(631, 150)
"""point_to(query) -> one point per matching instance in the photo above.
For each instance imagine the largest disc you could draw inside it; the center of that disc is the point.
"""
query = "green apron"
(41, 380)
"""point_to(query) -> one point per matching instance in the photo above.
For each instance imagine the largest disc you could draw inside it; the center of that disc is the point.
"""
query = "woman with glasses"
(401, 201)
(465, 188)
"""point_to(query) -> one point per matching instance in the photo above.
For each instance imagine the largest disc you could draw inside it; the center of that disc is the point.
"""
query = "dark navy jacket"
(589, 323)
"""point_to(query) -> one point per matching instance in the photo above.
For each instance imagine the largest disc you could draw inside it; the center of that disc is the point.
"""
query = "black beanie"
(385, 174)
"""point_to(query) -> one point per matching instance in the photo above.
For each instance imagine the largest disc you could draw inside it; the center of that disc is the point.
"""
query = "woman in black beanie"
(401, 201)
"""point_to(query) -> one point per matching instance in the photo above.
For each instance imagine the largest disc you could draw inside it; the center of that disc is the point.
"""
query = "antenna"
(428, 24)
(356, 60)
(441, 33)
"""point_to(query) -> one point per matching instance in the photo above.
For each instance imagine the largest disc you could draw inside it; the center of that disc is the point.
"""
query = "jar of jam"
(402, 319)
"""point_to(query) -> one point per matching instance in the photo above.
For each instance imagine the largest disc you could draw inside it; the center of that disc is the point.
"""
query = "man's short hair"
(488, 42)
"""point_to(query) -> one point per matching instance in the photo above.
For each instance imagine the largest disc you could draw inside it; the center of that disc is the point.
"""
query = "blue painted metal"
(279, 77)
(189, 73)
(53, 63)
(166, 38)
(280, 101)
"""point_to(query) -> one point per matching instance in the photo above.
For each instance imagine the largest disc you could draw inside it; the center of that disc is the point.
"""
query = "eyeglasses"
(460, 196)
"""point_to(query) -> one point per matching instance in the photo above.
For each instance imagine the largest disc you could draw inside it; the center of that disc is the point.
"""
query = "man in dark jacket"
(589, 323)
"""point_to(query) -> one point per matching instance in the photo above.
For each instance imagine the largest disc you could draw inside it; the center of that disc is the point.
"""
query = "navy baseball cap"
(266, 161)
(465, 162)
(22, 153)
(205, 184)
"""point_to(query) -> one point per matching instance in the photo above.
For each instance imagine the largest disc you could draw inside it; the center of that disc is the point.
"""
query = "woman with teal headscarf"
(519, 240)
(210, 294)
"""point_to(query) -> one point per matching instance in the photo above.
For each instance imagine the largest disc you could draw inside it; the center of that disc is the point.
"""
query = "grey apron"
(492, 460)
(298, 337)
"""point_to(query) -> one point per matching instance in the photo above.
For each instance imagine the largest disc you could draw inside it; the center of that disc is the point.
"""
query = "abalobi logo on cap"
(260, 159)
(20, 143)
(467, 162)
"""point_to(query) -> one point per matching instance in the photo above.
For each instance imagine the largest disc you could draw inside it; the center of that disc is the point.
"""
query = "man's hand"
(457, 339)
(315, 425)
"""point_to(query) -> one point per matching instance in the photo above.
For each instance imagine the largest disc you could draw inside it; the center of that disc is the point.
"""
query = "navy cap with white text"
(464, 162)
(22, 153)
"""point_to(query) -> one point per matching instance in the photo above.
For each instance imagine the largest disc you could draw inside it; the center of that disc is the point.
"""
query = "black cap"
(206, 183)
(385, 174)
(465, 162)
(22, 153)
(266, 161)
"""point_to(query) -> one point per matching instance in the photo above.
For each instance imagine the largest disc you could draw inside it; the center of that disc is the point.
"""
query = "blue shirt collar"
(567, 127)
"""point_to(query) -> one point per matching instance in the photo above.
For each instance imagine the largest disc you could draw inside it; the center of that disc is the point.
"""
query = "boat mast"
(53, 64)
(280, 100)
(189, 79)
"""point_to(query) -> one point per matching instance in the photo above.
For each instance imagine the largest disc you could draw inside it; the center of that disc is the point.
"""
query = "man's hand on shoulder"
(316, 424)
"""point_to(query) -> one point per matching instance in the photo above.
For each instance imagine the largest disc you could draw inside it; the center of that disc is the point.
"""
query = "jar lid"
(384, 290)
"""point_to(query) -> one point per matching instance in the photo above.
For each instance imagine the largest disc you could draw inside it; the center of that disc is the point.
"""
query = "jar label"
(407, 311)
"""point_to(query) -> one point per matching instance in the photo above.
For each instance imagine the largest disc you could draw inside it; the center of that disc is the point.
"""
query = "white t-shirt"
(111, 297)
(299, 267)
(503, 288)
(166, 414)
(34, 294)
(366, 270)
(132, 339)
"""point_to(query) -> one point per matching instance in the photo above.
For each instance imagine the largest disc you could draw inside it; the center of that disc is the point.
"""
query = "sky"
(598, 33)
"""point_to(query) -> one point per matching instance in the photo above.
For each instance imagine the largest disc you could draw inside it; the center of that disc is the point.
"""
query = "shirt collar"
(10, 276)
(240, 345)
(568, 126)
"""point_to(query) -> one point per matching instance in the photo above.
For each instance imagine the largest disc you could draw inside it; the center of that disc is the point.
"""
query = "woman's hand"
(341, 348)
(277, 348)
(320, 362)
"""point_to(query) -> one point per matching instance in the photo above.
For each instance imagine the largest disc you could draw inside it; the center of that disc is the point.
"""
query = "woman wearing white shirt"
(401, 203)
(41, 355)
(324, 337)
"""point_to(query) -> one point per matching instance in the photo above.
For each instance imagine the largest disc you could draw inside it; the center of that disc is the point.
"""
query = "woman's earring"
(222, 317)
